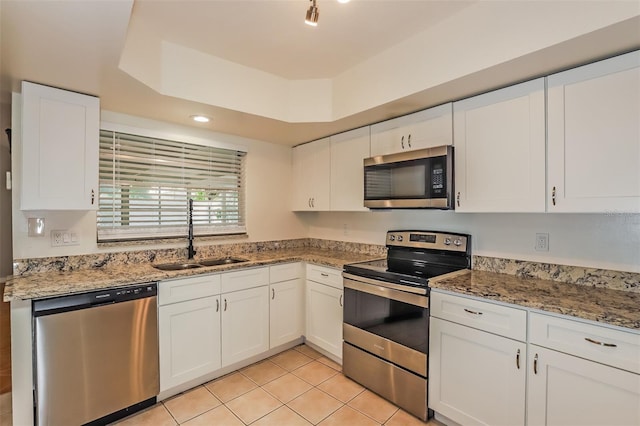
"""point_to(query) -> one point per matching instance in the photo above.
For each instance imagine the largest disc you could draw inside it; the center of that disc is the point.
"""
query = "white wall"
(269, 180)
(594, 240)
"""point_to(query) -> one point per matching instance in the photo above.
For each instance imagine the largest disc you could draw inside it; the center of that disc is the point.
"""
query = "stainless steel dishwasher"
(96, 355)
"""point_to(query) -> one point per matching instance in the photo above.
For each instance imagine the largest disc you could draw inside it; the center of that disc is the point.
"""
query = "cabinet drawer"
(179, 290)
(285, 272)
(321, 274)
(244, 279)
(590, 341)
(501, 320)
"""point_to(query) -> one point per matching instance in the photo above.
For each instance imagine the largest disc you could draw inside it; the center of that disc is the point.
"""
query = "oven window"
(400, 322)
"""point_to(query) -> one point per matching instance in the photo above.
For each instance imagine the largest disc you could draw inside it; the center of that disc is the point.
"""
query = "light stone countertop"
(607, 306)
(55, 283)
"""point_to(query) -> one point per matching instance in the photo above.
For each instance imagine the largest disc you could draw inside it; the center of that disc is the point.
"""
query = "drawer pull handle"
(518, 359)
(323, 274)
(535, 364)
(595, 342)
(472, 312)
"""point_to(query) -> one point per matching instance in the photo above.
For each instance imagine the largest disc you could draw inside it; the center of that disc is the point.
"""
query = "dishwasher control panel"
(94, 298)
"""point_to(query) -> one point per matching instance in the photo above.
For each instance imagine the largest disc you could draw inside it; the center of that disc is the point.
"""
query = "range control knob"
(447, 241)
(400, 238)
(457, 242)
(392, 237)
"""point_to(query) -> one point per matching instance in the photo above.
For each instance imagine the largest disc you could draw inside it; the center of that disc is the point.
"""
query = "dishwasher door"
(92, 361)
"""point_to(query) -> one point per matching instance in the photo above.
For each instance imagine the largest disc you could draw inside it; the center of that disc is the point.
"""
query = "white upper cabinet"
(499, 140)
(424, 129)
(60, 132)
(594, 137)
(311, 174)
(348, 151)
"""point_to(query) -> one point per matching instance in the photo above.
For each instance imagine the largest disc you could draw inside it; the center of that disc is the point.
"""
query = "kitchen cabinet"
(594, 137)
(324, 309)
(59, 149)
(348, 151)
(582, 373)
(477, 361)
(245, 314)
(500, 150)
(286, 306)
(311, 175)
(189, 329)
(423, 129)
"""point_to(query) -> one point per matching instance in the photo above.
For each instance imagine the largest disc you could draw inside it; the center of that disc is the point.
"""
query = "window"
(145, 185)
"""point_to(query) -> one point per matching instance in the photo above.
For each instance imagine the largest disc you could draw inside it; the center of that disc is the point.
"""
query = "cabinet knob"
(402, 142)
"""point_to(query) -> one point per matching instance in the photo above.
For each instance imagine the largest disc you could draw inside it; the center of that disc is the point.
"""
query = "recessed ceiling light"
(200, 118)
(344, 1)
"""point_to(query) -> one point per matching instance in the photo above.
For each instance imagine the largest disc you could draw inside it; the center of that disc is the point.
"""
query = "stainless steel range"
(386, 314)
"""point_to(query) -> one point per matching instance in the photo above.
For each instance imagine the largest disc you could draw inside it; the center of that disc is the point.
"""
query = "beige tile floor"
(296, 387)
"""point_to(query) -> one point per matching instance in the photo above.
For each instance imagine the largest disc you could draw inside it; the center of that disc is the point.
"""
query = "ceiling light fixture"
(312, 14)
(200, 118)
(344, 1)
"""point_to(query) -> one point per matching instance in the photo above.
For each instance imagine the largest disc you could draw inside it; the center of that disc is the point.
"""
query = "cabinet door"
(476, 378)
(189, 339)
(286, 312)
(311, 169)
(245, 324)
(60, 132)
(499, 140)
(324, 317)
(594, 137)
(348, 151)
(424, 129)
(567, 390)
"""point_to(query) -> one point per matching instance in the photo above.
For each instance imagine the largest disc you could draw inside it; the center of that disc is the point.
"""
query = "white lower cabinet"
(245, 324)
(324, 310)
(476, 377)
(286, 306)
(189, 329)
(567, 390)
(568, 371)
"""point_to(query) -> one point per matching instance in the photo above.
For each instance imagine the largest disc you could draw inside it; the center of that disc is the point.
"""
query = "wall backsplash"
(590, 277)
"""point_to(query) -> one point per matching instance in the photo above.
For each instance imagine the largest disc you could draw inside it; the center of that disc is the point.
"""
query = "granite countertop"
(613, 307)
(48, 284)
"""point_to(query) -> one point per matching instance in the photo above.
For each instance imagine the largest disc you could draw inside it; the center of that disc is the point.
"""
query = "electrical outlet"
(56, 238)
(542, 242)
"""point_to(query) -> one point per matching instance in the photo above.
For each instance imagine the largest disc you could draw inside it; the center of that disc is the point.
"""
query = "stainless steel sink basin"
(176, 266)
(205, 262)
(221, 261)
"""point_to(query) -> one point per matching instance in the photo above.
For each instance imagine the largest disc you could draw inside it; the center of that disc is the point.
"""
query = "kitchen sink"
(205, 262)
(176, 266)
(221, 261)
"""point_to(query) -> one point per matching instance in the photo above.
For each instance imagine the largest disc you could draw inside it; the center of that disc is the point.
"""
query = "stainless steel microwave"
(413, 179)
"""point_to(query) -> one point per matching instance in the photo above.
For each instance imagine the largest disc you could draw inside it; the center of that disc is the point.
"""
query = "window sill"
(172, 241)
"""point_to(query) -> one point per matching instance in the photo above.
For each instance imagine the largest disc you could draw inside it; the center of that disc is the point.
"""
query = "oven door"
(386, 322)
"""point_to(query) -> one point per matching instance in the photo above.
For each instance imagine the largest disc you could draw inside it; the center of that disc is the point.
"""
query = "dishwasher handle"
(78, 301)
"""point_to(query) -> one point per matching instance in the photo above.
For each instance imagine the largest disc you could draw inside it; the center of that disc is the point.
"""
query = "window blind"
(145, 185)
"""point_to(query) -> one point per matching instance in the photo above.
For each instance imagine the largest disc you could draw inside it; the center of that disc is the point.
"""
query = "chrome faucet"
(190, 250)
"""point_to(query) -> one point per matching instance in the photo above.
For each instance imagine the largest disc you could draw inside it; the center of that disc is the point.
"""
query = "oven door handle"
(404, 288)
(375, 288)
